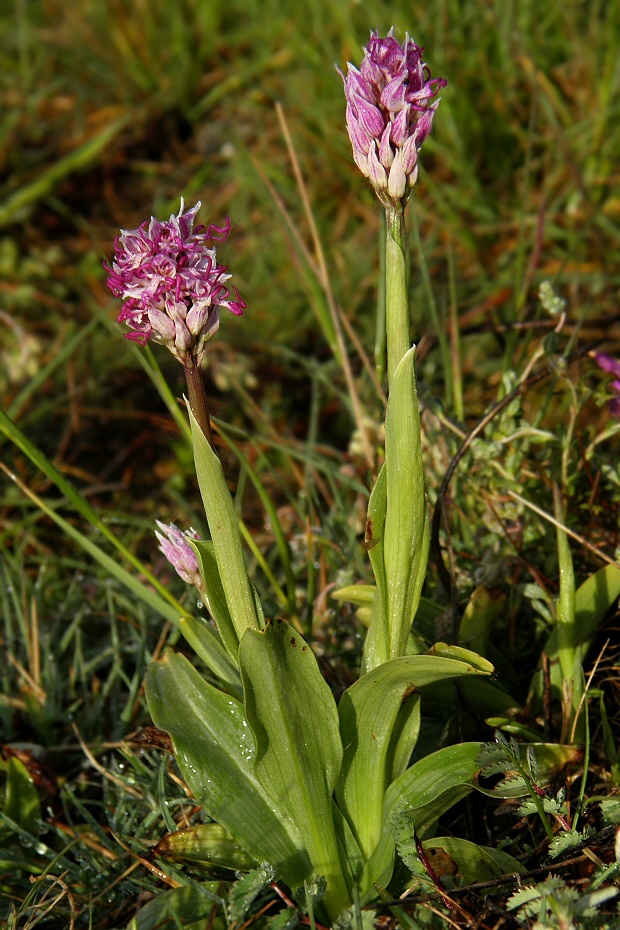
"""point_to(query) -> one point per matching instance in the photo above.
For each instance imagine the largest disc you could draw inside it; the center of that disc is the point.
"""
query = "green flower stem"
(396, 297)
(380, 324)
(198, 399)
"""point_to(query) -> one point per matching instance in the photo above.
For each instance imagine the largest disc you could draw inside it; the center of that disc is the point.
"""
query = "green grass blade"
(169, 609)
(91, 516)
(592, 601)
(79, 159)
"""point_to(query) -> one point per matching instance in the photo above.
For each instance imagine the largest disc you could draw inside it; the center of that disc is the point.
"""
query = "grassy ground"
(111, 112)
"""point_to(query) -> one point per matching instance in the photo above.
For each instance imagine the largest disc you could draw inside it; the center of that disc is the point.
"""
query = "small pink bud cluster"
(390, 114)
(173, 543)
(171, 284)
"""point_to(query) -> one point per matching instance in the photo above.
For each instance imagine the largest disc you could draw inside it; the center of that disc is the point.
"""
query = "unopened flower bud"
(173, 543)
(390, 108)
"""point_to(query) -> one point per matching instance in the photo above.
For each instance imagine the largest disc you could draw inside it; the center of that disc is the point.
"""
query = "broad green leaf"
(293, 716)
(21, 800)
(459, 861)
(216, 754)
(350, 854)
(433, 785)
(189, 907)
(371, 713)
(223, 526)
(376, 649)
(405, 547)
(480, 696)
(476, 662)
(208, 647)
(592, 601)
(215, 596)
(209, 843)
(467, 862)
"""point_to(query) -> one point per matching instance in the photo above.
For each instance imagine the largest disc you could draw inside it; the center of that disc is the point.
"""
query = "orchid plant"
(287, 777)
(317, 794)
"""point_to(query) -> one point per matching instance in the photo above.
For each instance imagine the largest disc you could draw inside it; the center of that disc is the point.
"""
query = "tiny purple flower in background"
(171, 284)
(612, 366)
(390, 109)
(173, 543)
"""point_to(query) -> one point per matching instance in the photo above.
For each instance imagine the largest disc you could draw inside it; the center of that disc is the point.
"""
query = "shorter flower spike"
(173, 543)
(171, 284)
(390, 108)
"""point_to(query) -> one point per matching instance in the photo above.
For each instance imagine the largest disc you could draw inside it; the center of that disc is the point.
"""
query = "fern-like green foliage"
(245, 891)
(555, 906)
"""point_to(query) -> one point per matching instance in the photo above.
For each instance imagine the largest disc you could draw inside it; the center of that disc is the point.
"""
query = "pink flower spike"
(171, 283)
(391, 101)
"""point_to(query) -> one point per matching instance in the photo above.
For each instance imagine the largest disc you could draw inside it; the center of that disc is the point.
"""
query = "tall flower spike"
(390, 108)
(171, 284)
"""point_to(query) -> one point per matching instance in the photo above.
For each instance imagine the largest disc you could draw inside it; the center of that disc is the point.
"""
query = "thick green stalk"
(396, 296)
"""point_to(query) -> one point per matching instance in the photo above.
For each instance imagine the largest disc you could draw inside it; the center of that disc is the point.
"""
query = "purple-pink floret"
(171, 283)
(173, 543)
(611, 366)
(390, 108)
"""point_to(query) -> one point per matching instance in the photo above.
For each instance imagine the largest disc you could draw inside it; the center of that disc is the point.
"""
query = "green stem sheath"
(380, 348)
(396, 296)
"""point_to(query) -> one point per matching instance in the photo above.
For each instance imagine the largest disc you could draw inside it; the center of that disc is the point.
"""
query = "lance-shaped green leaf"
(223, 526)
(215, 596)
(463, 861)
(293, 716)
(379, 730)
(208, 843)
(592, 601)
(216, 753)
(433, 785)
(207, 645)
(21, 800)
(376, 645)
(405, 547)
